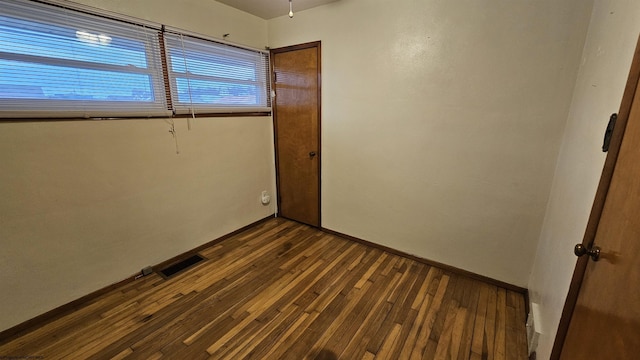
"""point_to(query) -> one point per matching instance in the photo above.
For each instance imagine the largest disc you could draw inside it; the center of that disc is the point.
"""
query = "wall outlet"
(146, 271)
(533, 328)
(265, 199)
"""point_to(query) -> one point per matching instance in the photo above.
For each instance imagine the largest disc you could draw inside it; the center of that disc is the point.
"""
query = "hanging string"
(172, 130)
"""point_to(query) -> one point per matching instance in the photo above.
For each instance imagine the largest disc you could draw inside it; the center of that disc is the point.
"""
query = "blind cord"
(151, 59)
(172, 130)
(186, 70)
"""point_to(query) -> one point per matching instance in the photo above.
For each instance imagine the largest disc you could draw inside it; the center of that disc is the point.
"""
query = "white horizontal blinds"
(58, 62)
(208, 76)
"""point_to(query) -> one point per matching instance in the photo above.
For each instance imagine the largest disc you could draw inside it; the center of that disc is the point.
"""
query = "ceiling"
(268, 9)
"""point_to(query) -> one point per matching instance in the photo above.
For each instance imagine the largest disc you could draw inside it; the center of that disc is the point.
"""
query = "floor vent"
(180, 266)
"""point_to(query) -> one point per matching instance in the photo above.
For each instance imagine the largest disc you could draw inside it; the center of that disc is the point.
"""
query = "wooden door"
(605, 319)
(296, 82)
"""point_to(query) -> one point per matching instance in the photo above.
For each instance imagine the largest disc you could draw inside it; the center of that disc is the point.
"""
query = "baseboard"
(15, 331)
(442, 266)
(187, 254)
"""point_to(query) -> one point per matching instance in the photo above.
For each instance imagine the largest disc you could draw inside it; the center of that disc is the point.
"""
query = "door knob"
(580, 250)
(312, 154)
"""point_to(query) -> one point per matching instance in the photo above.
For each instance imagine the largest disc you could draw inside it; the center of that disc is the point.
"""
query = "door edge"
(307, 45)
(598, 203)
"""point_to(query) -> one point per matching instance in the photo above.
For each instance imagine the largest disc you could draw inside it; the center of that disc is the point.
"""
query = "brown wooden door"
(296, 82)
(605, 323)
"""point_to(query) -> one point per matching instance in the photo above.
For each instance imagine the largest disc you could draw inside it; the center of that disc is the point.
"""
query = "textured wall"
(87, 203)
(606, 60)
(442, 121)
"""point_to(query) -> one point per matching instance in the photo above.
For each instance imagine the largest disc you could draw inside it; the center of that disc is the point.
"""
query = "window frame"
(158, 65)
(45, 20)
(204, 42)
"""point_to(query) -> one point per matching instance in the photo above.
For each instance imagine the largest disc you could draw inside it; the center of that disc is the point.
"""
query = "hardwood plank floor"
(282, 290)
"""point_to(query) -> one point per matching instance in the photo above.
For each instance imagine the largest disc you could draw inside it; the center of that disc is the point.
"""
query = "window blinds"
(63, 62)
(208, 76)
(57, 62)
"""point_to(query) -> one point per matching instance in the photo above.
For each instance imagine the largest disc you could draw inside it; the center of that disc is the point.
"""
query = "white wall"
(442, 121)
(207, 17)
(85, 204)
(606, 61)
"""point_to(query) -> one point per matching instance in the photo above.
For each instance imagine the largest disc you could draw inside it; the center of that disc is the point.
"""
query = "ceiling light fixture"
(290, 9)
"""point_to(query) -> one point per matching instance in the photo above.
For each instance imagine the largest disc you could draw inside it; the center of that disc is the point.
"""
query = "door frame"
(274, 112)
(598, 203)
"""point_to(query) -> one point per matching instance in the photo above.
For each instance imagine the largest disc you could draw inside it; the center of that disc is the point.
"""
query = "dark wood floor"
(282, 290)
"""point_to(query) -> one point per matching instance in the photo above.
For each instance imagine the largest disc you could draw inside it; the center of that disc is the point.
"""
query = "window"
(207, 76)
(60, 62)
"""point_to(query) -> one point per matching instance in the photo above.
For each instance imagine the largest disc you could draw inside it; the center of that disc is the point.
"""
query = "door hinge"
(609, 132)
